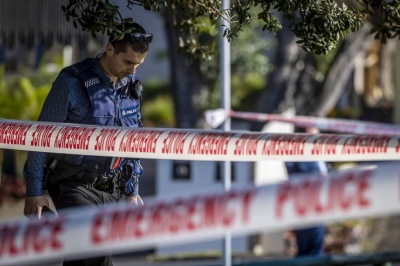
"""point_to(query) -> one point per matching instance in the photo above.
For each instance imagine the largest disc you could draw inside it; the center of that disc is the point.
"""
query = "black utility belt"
(104, 182)
(80, 183)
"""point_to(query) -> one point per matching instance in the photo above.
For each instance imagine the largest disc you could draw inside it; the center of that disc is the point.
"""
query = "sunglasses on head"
(140, 37)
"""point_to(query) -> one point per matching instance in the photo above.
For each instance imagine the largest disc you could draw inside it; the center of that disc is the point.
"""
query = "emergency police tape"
(216, 117)
(297, 203)
(183, 144)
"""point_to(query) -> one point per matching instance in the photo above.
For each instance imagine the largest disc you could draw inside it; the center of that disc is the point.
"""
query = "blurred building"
(32, 31)
(28, 29)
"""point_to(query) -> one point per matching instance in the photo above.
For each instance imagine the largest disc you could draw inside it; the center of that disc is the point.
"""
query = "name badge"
(130, 111)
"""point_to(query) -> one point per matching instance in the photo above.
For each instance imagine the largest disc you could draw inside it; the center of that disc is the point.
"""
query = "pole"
(225, 67)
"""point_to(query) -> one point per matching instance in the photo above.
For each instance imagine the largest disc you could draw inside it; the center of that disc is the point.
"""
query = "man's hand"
(34, 205)
(135, 200)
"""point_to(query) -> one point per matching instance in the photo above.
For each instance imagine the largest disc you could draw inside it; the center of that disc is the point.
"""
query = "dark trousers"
(310, 241)
(69, 194)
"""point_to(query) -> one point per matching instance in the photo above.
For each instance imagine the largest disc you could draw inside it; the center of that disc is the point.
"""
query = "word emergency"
(210, 143)
(366, 144)
(176, 217)
(140, 141)
(13, 133)
(284, 145)
(73, 138)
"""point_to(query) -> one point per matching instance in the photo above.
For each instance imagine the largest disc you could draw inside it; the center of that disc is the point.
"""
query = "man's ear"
(109, 49)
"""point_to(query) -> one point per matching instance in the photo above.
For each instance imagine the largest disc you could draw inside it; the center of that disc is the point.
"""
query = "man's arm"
(59, 106)
(135, 199)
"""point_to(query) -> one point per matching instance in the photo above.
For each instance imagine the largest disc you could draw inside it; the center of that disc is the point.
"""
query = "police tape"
(217, 116)
(300, 202)
(184, 144)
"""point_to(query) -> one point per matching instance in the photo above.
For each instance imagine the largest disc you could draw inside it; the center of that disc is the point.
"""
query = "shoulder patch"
(91, 81)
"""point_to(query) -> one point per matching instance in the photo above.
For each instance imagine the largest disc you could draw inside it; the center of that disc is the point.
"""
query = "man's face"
(124, 63)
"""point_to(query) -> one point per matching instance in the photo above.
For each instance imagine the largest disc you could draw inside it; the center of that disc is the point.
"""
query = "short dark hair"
(120, 45)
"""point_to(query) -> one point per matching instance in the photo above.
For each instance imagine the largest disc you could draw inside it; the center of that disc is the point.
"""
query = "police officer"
(310, 241)
(101, 91)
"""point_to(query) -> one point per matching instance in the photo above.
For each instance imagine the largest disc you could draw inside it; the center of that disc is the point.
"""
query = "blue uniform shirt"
(310, 241)
(67, 102)
(306, 167)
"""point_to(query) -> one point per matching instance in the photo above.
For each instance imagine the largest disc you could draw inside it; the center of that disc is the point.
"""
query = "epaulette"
(83, 70)
(80, 66)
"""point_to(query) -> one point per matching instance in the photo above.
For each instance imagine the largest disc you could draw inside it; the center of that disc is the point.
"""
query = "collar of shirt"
(104, 77)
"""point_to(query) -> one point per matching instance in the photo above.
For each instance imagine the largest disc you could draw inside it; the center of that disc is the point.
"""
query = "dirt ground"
(12, 210)
(15, 209)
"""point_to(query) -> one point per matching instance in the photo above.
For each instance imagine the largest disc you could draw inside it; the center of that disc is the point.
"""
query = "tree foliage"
(249, 66)
(318, 25)
(23, 94)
